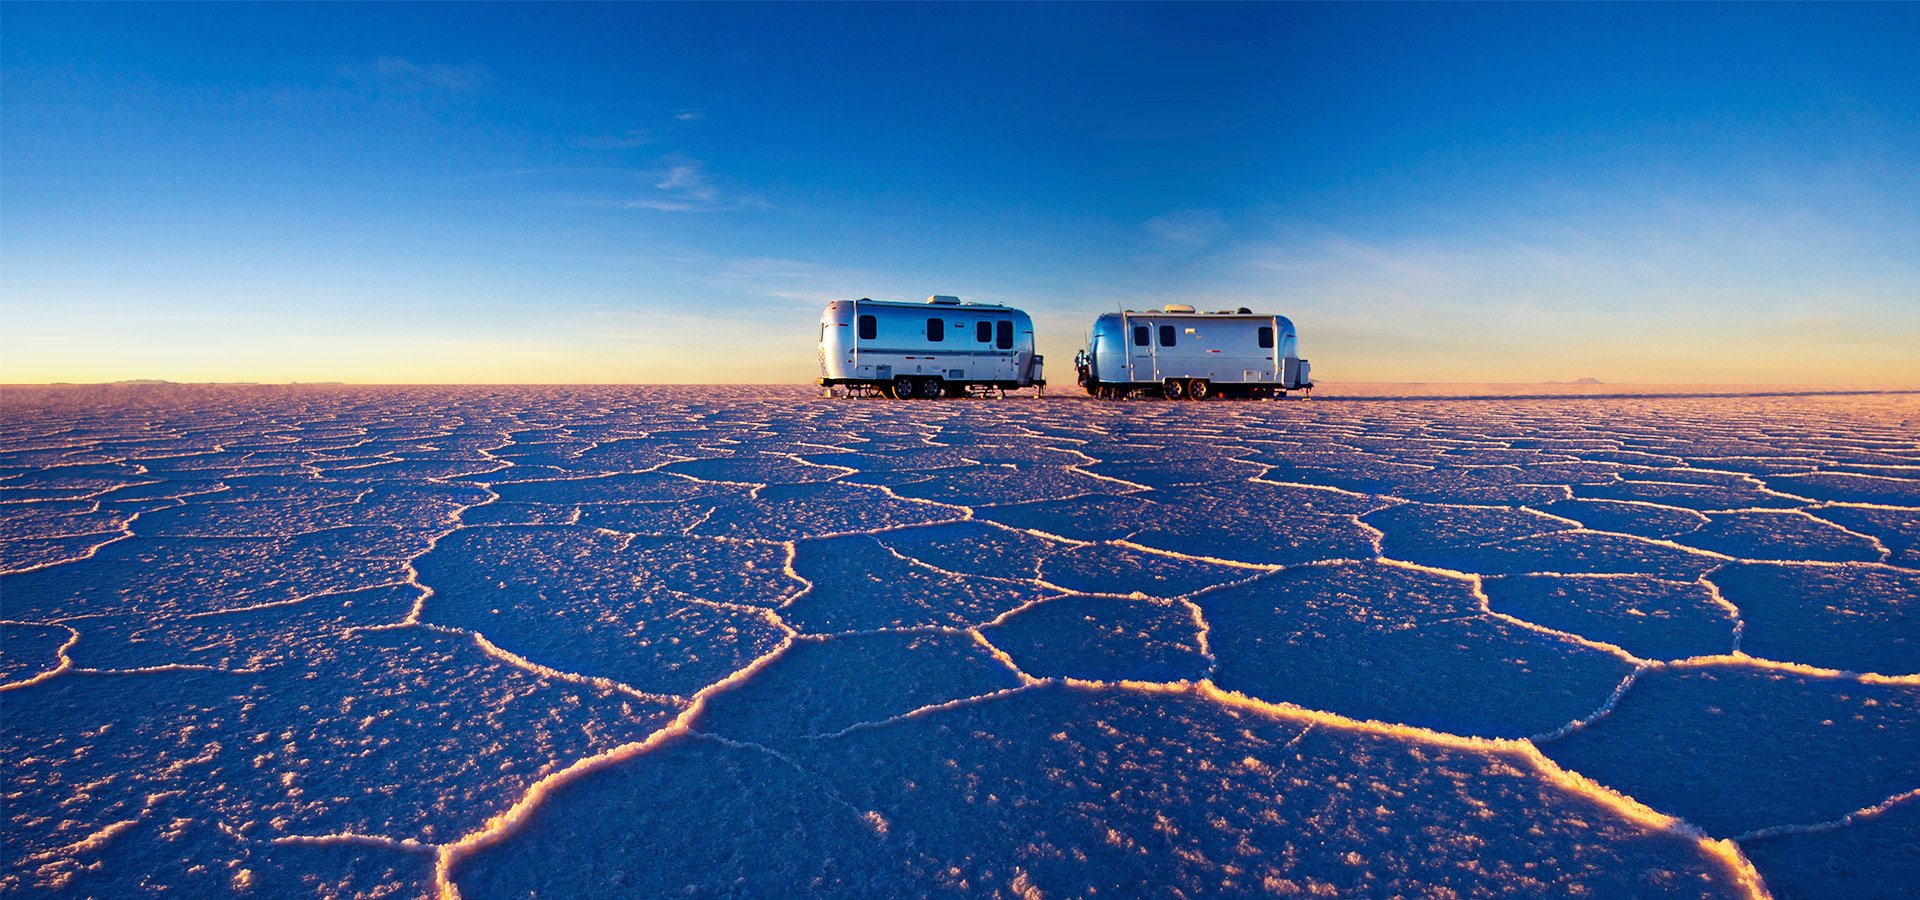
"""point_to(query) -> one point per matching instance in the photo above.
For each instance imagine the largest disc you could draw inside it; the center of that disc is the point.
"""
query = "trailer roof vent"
(1245, 311)
(1179, 307)
(944, 300)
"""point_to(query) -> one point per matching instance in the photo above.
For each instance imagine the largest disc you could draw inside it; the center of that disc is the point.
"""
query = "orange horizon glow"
(787, 359)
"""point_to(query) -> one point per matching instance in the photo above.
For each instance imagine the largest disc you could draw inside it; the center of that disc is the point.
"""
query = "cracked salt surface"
(478, 642)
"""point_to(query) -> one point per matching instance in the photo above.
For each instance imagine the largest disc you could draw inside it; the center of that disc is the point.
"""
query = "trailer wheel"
(932, 388)
(903, 388)
(1198, 389)
(1174, 389)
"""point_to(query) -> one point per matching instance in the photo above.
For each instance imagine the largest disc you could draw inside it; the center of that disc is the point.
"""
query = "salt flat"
(616, 641)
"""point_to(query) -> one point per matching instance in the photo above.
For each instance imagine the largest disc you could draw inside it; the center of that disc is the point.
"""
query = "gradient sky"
(616, 193)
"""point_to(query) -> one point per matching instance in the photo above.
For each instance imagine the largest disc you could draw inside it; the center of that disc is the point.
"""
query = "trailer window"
(1003, 335)
(936, 329)
(1266, 337)
(983, 332)
(1139, 335)
(869, 329)
(1166, 335)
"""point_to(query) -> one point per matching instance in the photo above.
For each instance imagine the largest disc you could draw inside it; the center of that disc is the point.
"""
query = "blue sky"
(650, 192)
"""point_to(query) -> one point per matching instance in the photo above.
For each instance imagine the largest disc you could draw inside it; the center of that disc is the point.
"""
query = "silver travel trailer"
(1180, 353)
(940, 348)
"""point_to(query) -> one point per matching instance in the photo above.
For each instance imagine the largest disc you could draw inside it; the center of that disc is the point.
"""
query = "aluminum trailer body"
(940, 348)
(1181, 353)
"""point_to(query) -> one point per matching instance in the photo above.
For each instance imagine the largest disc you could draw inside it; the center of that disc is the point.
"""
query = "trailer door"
(1140, 359)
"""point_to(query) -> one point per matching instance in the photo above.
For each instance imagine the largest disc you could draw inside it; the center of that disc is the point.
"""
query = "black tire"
(1199, 389)
(932, 388)
(903, 388)
(1174, 389)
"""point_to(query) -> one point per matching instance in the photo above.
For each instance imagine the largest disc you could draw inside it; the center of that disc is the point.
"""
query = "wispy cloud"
(398, 75)
(673, 183)
(685, 186)
(656, 125)
(689, 178)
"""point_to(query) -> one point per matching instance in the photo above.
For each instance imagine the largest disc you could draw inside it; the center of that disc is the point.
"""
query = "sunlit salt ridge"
(479, 641)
